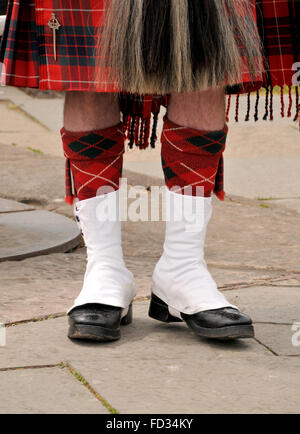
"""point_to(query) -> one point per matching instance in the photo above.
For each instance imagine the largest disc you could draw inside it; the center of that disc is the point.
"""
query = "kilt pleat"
(279, 26)
(28, 48)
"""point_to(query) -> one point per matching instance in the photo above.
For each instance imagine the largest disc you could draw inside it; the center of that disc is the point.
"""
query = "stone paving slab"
(16, 120)
(288, 203)
(196, 384)
(45, 391)
(280, 338)
(7, 206)
(30, 177)
(46, 342)
(143, 268)
(269, 304)
(22, 131)
(36, 233)
(48, 112)
(158, 368)
(255, 236)
(269, 308)
(238, 234)
(39, 286)
(267, 177)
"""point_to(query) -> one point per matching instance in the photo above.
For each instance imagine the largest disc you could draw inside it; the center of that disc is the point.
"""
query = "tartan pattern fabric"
(279, 27)
(193, 158)
(27, 52)
(137, 111)
(93, 160)
(28, 48)
(28, 56)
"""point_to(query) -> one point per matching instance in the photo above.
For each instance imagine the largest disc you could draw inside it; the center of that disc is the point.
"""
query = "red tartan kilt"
(27, 49)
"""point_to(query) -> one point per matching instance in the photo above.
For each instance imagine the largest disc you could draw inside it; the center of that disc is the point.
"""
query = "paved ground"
(28, 232)
(253, 251)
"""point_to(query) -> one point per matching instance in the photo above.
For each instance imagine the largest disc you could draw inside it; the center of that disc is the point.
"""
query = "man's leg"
(93, 141)
(193, 142)
(194, 139)
(89, 111)
(199, 110)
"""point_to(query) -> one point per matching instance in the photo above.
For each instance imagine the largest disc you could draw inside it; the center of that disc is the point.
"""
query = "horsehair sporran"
(163, 46)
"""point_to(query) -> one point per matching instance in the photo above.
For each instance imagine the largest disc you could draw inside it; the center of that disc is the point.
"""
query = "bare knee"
(200, 110)
(86, 111)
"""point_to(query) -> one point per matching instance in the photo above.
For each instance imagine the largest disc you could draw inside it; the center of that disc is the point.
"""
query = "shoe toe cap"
(234, 315)
(100, 315)
(224, 317)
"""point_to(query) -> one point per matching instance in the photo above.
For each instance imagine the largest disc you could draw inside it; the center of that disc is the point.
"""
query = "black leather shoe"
(226, 323)
(97, 322)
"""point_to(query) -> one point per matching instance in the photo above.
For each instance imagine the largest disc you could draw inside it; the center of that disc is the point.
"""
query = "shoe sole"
(89, 332)
(245, 331)
(161, 313)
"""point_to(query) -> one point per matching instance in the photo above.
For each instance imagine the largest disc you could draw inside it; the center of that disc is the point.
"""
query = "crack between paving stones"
(75, 374)
(17, 211)
(229, 266)
(278, 286)
(266, 347)
(20, 368)
(273, 323)
(86, 384)
(242, 267)
(36, 319)
(136, 300)
(54, 316)
(290, 355)
(267, 281)
(227, 287)
(256, 203)
(20, 108)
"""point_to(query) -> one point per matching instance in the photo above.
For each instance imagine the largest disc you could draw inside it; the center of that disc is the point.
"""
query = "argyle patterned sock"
(93, 160)
(193, 158)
